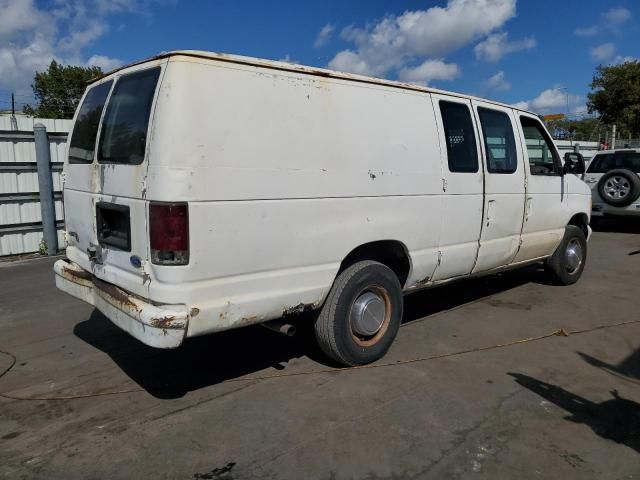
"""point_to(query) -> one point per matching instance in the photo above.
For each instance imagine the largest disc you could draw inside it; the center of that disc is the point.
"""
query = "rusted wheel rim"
(370, 315)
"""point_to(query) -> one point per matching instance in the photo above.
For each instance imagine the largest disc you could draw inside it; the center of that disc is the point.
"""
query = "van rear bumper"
(154, 326)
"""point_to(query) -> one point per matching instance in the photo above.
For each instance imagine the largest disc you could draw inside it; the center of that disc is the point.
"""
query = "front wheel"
(362, 314)
(567, 262)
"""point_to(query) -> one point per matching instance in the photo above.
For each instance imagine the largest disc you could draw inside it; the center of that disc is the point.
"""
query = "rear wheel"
(619, 188)
(567, 262)
(362, 314)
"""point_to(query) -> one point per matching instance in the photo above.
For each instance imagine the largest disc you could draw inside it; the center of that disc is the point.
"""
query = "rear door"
(504, 187)
(105, 209)
(462, 184)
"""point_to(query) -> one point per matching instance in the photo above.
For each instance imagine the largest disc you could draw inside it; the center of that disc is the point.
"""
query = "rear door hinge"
(444, 184)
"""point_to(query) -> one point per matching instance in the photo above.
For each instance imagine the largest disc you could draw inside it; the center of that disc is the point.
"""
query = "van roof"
(292, 67)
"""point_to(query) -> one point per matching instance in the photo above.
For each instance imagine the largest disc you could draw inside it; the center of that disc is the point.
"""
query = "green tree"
(583, 129)
(59, 89)
(616, 96)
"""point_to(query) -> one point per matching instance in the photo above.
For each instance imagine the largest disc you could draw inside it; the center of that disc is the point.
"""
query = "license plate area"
(113, 225)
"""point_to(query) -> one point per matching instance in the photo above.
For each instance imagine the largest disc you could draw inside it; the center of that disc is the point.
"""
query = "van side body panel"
(285, 174)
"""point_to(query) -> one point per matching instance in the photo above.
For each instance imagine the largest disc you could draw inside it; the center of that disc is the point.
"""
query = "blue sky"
(516, 51)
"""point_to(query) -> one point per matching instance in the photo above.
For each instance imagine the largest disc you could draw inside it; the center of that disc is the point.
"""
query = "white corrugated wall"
(20, 218)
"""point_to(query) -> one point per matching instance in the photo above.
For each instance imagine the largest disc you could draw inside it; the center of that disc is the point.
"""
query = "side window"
(123, 136)
(458, 133)
(594, 166)
(543, 158)
(83, 138)
(603, 162)
(499, 141)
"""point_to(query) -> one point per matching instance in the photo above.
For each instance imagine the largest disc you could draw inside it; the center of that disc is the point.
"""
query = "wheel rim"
(617, 187)
(573, 256)
(370, 315)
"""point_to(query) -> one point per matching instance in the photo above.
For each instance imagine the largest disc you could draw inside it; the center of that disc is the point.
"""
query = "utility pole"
(613, 137)
(14, 121)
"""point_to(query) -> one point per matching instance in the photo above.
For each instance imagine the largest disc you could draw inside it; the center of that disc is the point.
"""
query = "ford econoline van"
(205, 192)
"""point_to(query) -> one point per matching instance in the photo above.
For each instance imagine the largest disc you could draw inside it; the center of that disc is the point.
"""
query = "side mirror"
(573, 163)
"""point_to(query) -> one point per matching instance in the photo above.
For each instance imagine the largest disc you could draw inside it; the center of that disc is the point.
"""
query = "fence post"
(45, 183)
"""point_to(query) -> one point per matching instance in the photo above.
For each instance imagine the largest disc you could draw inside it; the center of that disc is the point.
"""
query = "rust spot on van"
(117, 295)
(194, 311)
(81, 274)
(297, 309)
(167, 322)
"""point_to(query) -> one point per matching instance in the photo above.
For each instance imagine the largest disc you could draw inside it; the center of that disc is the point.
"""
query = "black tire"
(333, 327)
(559, 264)
(616, 182)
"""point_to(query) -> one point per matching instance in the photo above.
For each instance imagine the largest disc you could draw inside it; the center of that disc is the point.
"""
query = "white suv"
(614, 178)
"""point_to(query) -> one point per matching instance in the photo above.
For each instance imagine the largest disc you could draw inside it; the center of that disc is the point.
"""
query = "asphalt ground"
(477, 385)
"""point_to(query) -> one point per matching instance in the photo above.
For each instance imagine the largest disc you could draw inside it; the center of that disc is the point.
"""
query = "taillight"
(169, 233)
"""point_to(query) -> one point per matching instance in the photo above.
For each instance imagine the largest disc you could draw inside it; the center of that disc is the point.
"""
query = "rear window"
(604, 162)
(124, 129)
(461, 141)
(83, 138)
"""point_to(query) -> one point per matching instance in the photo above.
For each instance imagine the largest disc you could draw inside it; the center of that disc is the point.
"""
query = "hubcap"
(368, 314)
(573, 256)
(617, 187)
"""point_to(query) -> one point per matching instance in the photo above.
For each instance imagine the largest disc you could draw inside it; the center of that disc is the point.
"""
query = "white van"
(205, 192)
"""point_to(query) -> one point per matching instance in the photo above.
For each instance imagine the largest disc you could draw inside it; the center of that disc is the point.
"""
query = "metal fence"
(21, 229)
(587, 149)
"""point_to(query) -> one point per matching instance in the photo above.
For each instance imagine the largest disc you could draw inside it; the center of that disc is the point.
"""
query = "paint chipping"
(167, 322)
(81, 274)
(117, 295)
(297, 309)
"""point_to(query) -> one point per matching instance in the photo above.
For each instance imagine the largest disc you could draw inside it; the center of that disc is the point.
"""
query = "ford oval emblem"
(136, 261)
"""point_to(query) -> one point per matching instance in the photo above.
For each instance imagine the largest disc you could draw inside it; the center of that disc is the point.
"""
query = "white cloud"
(287, 59)
(421, 34)
(350, 61)
(551, 100)
(624, 59)
(591, 31)
(603, 52)
(429, 70)
(609, 21)
(497, 45)
(616, 16)
(522, 105)
(104, 62)
(324, 35)
(497, 83)
(31, 36)
(20, 16)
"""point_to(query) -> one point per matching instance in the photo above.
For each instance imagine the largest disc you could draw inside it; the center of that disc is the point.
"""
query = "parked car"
(614, 178)
(205, 192)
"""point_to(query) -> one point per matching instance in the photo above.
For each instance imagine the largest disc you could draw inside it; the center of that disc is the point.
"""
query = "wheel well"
(391, 253)
(580, 220)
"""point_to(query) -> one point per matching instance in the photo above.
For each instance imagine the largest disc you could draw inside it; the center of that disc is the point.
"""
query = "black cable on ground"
(559, 332)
